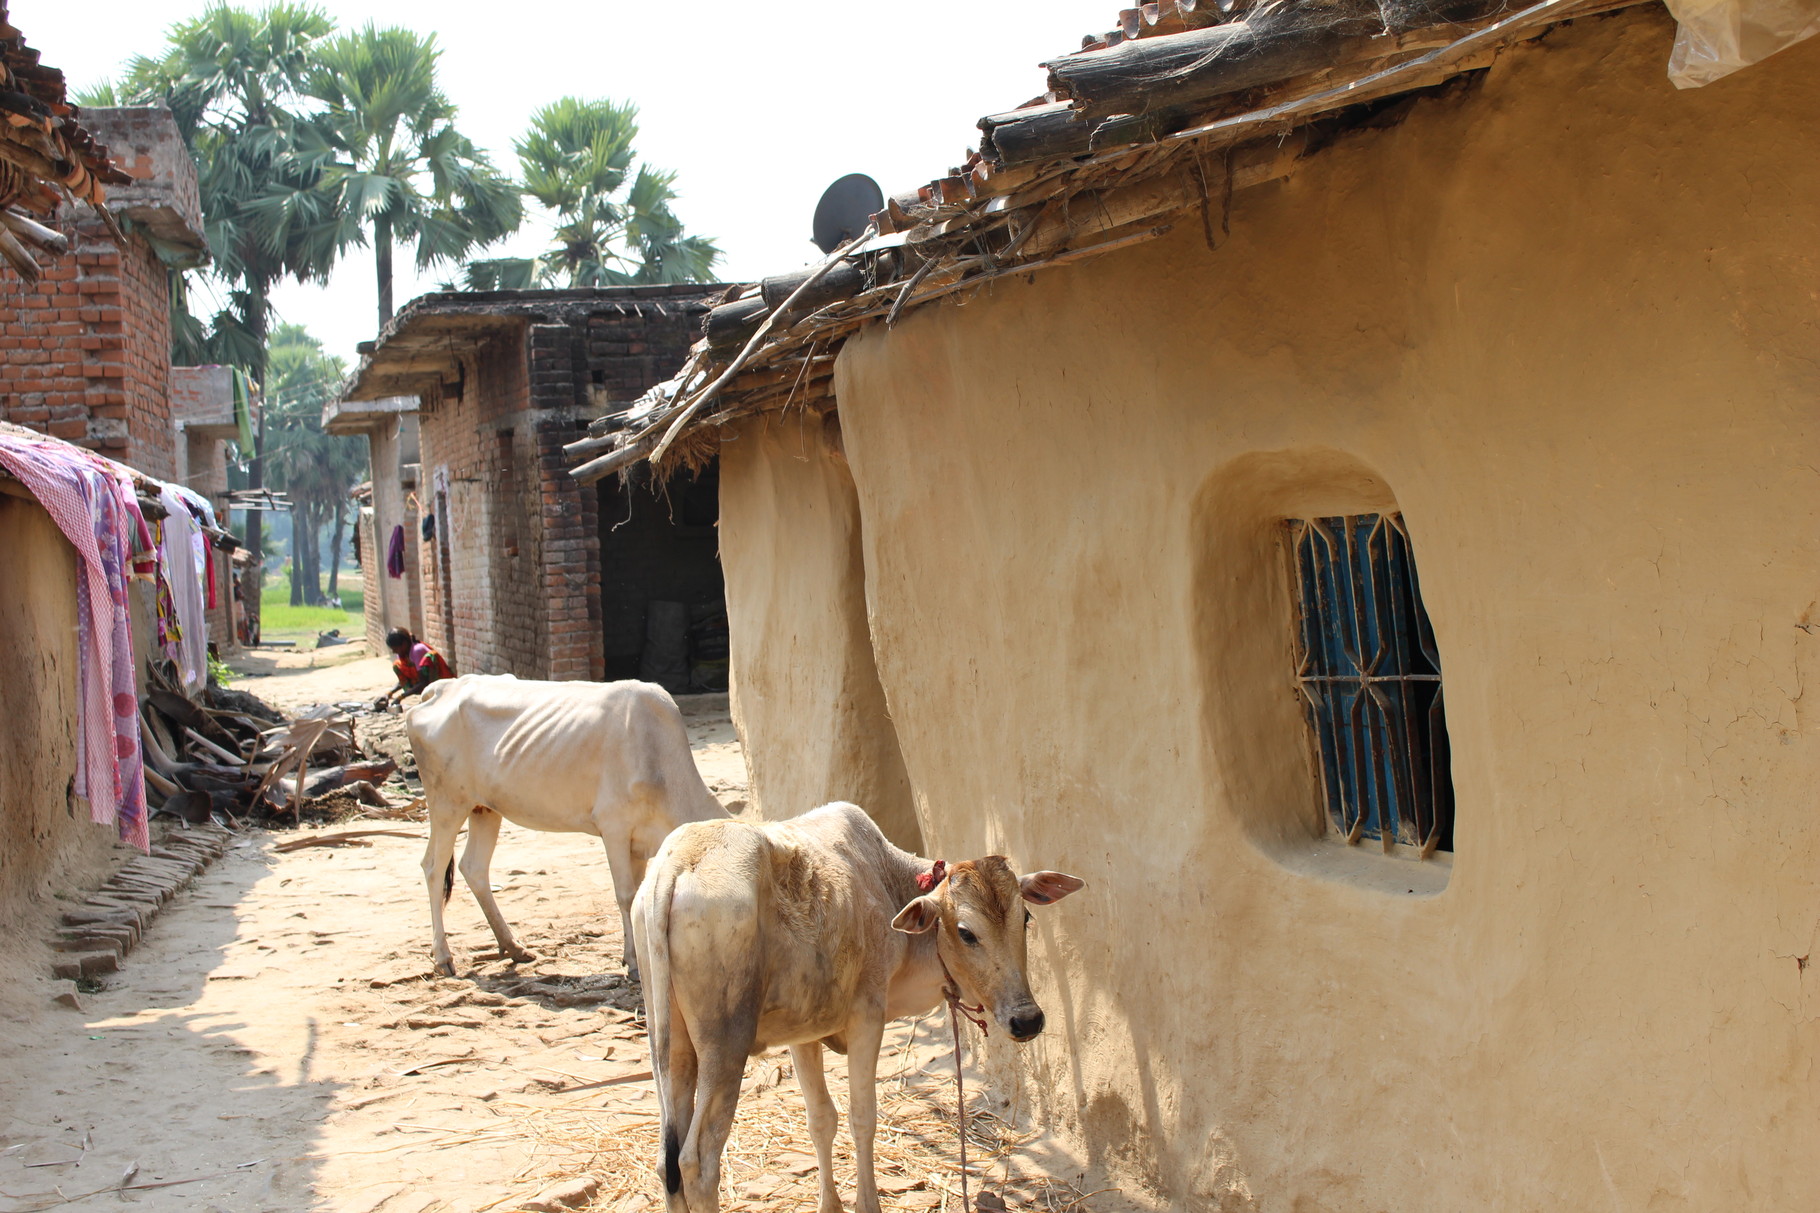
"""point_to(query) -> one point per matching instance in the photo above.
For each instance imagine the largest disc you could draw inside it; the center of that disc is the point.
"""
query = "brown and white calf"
(808, 932)
(608, 759)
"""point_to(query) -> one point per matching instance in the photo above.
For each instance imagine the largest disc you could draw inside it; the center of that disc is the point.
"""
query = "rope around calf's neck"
(957, 1009)
(960, 1094)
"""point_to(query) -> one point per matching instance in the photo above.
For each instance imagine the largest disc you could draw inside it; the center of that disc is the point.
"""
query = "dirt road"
(277, 1042)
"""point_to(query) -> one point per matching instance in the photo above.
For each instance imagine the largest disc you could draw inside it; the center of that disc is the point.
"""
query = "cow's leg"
(438, 855)
(476, 861)
(720, 1069)
(823, 1117)
(680, 1074)
(863, 1038)
(625, 887)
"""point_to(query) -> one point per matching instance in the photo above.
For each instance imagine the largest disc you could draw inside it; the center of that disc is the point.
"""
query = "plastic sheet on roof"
(1717, 37)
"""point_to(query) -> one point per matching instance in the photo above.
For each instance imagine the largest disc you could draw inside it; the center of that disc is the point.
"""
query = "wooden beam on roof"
(1038, 132)
(1271, 45)
(604, 466)
(1159, 197)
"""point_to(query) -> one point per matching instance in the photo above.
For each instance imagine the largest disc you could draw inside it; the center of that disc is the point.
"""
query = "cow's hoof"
(445, 968)
(521, 957)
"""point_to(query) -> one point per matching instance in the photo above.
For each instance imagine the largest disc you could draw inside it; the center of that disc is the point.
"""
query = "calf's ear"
(1041, 888)
(919, 917)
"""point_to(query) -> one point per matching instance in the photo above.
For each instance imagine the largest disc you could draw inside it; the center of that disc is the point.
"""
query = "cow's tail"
(651, 936)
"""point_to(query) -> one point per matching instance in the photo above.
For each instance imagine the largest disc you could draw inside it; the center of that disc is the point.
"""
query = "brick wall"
(372, 568)
(519, 590)
(630, 351)
(480, 604)
(569, 555)
(85, 354)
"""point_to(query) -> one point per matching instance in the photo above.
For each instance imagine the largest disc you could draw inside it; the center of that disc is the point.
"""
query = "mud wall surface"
(1563, 320)
(806, 697)
(47, 842)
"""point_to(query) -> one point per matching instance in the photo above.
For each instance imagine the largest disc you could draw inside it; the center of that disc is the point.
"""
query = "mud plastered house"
(1343, 482)
(513, 565)
(97, 208)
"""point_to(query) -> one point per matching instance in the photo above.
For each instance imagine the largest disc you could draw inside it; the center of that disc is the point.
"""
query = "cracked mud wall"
(805, 696)
(48, 845)
(1565, 320)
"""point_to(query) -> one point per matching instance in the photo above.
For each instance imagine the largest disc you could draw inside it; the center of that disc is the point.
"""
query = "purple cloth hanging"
(394, 553)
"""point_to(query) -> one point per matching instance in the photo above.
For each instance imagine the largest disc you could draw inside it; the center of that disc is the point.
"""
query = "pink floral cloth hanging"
(93, 503)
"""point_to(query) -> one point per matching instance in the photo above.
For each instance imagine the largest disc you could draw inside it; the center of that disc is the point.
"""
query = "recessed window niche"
(1319, 672)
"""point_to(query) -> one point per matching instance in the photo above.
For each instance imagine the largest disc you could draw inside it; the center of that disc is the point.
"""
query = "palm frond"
(500, 274)
(616, 226)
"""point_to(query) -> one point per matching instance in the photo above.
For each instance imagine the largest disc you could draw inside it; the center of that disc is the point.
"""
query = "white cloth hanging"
(184, 556)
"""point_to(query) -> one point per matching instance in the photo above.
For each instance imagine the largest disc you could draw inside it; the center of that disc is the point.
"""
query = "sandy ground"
(277, 1042)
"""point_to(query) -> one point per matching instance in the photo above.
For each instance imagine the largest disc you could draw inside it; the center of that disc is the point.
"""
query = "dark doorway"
(662, 602)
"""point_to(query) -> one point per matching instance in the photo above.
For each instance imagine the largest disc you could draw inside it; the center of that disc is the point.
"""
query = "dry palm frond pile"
(228, 756)
(769, 1162)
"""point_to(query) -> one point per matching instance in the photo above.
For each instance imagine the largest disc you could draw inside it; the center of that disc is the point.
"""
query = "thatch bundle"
(46, 157)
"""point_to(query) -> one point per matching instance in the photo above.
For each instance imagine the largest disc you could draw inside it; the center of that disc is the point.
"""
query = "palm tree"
(315, 468)
(615, 226)
(231, 78)
(400, 164)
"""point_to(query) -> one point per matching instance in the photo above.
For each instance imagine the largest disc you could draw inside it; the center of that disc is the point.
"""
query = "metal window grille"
(1370, 678)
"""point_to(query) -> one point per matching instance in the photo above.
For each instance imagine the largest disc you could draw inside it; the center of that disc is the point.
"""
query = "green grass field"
(279, 620)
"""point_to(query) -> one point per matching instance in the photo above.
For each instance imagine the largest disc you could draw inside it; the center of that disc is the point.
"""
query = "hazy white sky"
(757, 106)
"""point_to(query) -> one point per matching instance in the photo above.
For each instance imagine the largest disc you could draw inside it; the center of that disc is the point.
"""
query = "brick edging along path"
(94, 938)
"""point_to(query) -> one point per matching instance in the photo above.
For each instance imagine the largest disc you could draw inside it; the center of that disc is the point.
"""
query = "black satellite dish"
(845, 206)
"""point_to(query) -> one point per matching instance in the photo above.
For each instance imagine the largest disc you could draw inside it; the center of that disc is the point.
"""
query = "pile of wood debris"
(231, 758)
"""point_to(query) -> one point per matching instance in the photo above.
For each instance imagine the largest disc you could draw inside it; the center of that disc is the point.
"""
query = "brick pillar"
(568, 543)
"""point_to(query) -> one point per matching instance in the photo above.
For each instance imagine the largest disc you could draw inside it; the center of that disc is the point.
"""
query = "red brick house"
(524, 570)
(387, 505)
(85, 354)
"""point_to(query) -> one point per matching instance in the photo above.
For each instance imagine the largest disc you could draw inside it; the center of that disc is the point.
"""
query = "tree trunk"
(312, 558)
(341, 522)
(382, 257)
(297, 598)
(252, 580)
(252, 584)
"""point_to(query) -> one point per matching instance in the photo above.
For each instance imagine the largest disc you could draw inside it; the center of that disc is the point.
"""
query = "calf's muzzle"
(1027, 1024)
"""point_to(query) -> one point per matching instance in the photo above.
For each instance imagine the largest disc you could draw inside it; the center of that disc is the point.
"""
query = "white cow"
(809, 932)
(608, 759)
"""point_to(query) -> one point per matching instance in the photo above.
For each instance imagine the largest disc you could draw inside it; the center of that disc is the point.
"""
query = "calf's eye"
(967, 937)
